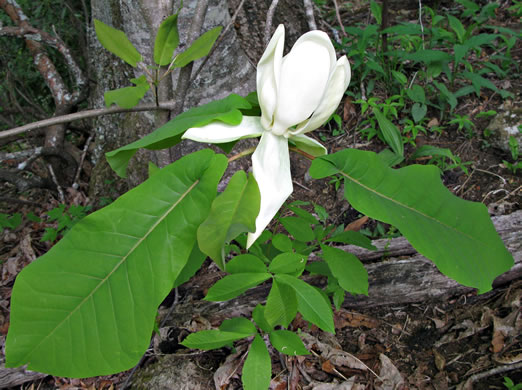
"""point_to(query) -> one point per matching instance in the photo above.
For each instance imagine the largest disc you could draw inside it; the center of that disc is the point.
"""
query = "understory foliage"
(88, 306)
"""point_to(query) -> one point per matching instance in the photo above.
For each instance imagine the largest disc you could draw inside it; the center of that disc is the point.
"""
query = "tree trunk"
(228, 70)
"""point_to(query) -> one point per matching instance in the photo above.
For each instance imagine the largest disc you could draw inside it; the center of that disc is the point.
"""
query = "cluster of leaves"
(427, 66)
(514, 147)
(165, 44)
(59, 220)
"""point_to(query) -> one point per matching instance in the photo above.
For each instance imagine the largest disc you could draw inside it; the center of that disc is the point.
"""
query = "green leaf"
(288, 263)
(246, 263)
(167, 40)
(281, 305)
(353, 238)
(97, 291)
(458, 27)
(288, 343)
(238, 325)
(199, 48)
(298, 228)
(457, 235)
(257, 369)
(211, 339)
(347, 268)
(478, 82)
(310, 302)
(400, 77)
(153, 168)
(225, 110)
(450, 97)
(282, 242)
(416, 93)
(427, 56)
(428, 150)
(303, 214)
(391, 134)
(258, 314)
(194, 263)
(127, 97)
(232, 213)
(117, 43)
(418, 111)
(233, 285)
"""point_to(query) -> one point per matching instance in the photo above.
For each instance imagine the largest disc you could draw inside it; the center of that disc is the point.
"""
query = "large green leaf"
(288, 343)
(225, 110)
(87, 307)
(199, 48)
(234, 285)
(310, 302)
(167, 40)
(257, 369)
(347, 268)
(455, 234)
(233, 212)
(281, 305)
(117, 43)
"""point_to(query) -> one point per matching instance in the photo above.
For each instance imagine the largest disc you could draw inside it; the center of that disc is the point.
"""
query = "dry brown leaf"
(389, 374)
(355, 226)
(349, 111)
(433, 122)
(440, 361)
(328, 367)
(345, 319)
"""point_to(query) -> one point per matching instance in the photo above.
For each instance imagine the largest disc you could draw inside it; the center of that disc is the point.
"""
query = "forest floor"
(469, 341)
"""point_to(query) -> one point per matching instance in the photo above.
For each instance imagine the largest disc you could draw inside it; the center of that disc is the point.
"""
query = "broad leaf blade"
(257, 369)
(246, 263)
(199, 48)
(117, 43)
(281, 305)
(87, 307)
(390, 132)
(127, 97)
(167, 40)
(347, 268)
(233, 285)
(233, 212)
(310, 302)
(225, 110)
(288, 343)
(455, 234)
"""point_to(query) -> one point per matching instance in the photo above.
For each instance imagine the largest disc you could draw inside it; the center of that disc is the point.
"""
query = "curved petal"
(304, 77)
(308, 145)
(219, 132)
(267, 78)
(271, 166)
(330, 101)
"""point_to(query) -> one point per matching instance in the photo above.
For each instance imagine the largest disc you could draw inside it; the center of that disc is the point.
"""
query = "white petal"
(330, 101)
(304, 76)
(308, 145)
(268, 71)
(271, 166)
(219, 132)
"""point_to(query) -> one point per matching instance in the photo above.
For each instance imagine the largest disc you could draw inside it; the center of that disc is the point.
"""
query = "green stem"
(245, 152)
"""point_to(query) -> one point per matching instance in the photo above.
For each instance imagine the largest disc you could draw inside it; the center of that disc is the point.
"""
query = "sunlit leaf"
(117, 43)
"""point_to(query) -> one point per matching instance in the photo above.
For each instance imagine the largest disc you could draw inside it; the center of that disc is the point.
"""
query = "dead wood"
(397, 275)
(10, 377)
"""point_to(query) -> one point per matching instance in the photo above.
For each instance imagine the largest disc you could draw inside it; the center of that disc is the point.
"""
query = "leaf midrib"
(104, 280)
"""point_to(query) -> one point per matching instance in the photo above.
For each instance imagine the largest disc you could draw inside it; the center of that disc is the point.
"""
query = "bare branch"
(309, 12)
(84, 115)
(339, 20)
(269, 18)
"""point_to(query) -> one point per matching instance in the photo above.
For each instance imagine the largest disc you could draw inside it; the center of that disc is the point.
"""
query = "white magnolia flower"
(297, 93)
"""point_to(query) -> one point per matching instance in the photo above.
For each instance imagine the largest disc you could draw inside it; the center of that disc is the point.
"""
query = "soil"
(427, 345)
